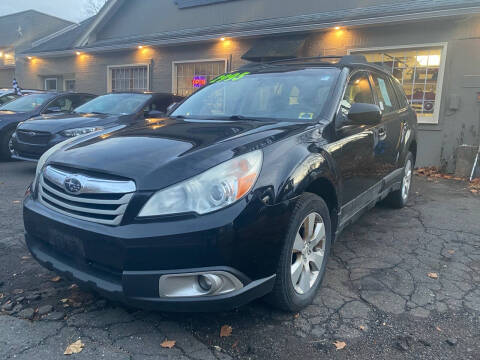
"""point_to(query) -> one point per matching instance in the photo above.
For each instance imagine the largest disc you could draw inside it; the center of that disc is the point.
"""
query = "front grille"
(98, 200)
(33, 137)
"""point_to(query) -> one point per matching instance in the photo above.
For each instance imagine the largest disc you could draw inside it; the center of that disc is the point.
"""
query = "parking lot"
(400, 284)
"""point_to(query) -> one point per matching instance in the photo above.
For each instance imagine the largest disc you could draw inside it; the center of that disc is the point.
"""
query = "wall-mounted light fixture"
(140, 46)
(78, 53)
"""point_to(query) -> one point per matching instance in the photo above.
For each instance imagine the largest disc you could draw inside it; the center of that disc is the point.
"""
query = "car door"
(388, 134)
(353, 149)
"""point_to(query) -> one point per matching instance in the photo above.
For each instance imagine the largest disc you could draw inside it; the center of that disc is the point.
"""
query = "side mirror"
(155, 114)
(364, 114)
(53, 109)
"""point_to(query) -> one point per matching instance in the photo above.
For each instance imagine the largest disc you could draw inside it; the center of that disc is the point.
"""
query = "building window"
(51, 84)
(69, 85)
(190, 76)
(128, 78)
(420, 71)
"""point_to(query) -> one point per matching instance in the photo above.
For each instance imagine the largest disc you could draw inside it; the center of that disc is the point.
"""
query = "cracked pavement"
(377, 295)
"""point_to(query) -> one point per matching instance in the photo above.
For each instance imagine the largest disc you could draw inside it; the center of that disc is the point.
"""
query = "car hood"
(167, 151)
(12, 116)
(59, 122)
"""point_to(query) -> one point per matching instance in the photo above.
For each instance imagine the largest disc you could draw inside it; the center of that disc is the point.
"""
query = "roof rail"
(341, 60)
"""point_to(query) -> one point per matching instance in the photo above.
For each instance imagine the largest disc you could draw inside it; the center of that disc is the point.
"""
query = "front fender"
(311, 168)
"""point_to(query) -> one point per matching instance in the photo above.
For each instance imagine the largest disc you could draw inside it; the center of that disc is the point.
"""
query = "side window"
(358, 91)
(387, 100)
(161, 103)
(402, 98)
(62, 104)
(82, 99)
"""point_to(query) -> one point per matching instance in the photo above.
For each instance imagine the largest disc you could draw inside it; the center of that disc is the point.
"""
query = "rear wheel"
(304, 255)
(399, 198)
(6, 145)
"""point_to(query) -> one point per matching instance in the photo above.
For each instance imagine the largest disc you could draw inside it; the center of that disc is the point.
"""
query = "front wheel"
(398, 198)
(6, 145)
(304, 255)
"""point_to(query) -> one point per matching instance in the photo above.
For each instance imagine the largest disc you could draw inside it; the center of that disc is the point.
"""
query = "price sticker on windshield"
(229, 77)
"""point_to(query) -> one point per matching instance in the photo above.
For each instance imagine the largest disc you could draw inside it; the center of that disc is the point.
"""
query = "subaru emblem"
(72, 185)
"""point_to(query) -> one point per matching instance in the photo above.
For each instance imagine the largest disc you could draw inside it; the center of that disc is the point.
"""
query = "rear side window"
(402, 98)
(387, 99)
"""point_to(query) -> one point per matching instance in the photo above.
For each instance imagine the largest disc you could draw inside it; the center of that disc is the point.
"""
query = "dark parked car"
(35, 136)
(238, 194)
(28, 106)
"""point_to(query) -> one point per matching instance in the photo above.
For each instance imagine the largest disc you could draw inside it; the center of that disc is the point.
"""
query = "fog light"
(209, 282)
(198, 284)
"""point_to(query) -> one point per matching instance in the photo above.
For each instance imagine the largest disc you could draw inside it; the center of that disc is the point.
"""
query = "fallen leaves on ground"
(74, 348)
(362, 327)
(438, 328)
(296, 316)
(25, 257)
(451, 252)
(168, 344)
(225, 331)
(235, 344)
(432, 275)
(339, 345)
(475, 186)
(16, 201)
(56, 279)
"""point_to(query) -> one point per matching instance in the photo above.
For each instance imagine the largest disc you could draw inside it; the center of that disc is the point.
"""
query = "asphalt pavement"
(401, 284)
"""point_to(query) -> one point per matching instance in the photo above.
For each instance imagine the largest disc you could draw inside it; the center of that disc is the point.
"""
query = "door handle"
(382, 134)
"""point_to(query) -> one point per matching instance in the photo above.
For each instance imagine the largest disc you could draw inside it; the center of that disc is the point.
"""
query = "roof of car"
(313, 62)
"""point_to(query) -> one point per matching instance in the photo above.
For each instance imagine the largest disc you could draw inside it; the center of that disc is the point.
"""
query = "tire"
(398, 199)
(5, 154)
(292, 291)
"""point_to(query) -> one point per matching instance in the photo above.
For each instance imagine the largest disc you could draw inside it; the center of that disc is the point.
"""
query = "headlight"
(212, 190)
(80, 131)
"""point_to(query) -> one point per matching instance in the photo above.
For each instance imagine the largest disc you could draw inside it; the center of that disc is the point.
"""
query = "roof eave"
(225, 31)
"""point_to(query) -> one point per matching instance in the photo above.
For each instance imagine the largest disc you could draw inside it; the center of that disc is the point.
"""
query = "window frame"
(65, 85)
(174, 69)
(433, 120)
(50, 79)
(111, 67)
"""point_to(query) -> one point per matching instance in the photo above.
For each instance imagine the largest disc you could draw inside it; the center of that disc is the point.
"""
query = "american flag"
(16, 88)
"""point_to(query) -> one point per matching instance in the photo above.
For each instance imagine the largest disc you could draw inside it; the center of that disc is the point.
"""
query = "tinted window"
(401, 97)
(27, 103)
(289, 95)
(63, 104)
(387, 100)
(115, 104)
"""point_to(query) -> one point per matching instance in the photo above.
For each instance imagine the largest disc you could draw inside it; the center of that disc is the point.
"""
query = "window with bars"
(129, 78)
(190, 76)
(419, 71)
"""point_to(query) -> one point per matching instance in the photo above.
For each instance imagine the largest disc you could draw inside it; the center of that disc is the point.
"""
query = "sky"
(72, 10)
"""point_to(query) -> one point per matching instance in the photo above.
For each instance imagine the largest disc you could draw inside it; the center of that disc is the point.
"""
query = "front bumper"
(125, 262)
(32, 152)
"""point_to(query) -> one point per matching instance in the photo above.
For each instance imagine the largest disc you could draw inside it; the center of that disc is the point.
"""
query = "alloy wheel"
(308, 253)
(10, 145)
(407, 179)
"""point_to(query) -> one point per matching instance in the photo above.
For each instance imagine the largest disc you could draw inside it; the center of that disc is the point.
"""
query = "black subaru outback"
(239, 193)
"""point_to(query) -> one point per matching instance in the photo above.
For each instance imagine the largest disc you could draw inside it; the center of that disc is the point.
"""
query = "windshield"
(290, 95)
(27, 103)
(114, 104)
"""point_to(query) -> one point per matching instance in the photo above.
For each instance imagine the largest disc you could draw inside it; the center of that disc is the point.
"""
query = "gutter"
(244, 31)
